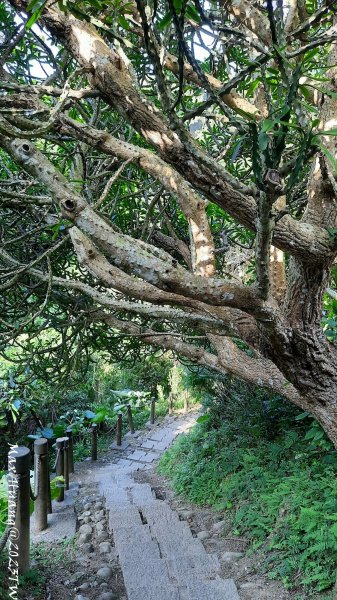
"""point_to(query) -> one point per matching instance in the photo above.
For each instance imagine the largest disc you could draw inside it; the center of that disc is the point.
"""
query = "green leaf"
(302, 416)
(267, 125)
(252, 87)
(332, 131)
(329, 156)
(263, 141)
(47, 432)
(89, 414)
(35, 16)
(55, 485)
(100, 416)
(310, 54)
(165, 21)
(192, 13)
(305, 91)
(59, 430)
(334, 529)
(203, 418)
(34, 5)
(95, 4)
(123, 22)
(327, 92)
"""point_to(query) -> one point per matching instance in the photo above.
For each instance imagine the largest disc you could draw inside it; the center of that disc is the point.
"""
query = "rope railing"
(19, 471)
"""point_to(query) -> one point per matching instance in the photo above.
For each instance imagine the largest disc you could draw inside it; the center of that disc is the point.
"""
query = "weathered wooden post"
(130, 419)
(66, 463)
(170, 404)
(60, 466)
(18, 511)
(153, 411)
(50, 506)
(42, 479)
(69, 434)
(119, 429)
(93, 441)
(186, 403)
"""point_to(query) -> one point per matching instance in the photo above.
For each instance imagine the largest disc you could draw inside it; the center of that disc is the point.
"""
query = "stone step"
(129, 557)
(140, 534)
(159, 557)
(139, 495)
(125, 517)
(160, 512)
(198, 566)
(147, 573)
(170, 528)
(169, 548)
(220, 589)
(116, 498)
(155, 592)
(121, 481)
(142, 495)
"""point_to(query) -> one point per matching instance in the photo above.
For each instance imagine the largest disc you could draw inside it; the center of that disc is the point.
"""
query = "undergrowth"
(272, 471)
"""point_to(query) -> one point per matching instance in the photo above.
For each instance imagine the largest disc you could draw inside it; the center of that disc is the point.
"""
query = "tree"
(160, 142)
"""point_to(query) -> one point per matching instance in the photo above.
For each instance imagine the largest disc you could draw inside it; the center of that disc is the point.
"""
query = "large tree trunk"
(269, 332)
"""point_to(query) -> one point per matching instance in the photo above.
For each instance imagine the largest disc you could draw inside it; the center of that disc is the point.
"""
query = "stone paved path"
(159, 557)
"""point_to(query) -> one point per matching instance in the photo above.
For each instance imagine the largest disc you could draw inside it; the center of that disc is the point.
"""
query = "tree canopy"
(168, 177)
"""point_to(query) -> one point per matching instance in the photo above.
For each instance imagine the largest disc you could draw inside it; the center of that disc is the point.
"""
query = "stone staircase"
(159, 557)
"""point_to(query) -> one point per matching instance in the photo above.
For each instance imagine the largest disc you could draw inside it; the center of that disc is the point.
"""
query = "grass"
(46, 560)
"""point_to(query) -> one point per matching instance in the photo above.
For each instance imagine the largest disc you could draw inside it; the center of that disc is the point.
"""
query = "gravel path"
(159, 557)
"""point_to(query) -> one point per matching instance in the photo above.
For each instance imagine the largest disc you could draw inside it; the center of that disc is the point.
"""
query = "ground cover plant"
(272, 471)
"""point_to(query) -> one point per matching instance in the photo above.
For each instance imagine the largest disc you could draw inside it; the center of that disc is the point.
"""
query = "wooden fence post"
(60, 466)
(66, 463)
(186, 403)
(170, 404)
(153, 411)
(130, 419)
(93, 441)
(69, 434)
(19, 515)
(42, 479)
(119, 429)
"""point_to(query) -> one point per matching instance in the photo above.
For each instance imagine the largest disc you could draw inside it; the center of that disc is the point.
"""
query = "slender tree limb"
(45, 90)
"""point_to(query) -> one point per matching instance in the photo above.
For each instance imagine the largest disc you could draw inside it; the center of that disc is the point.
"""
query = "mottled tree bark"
(279, 317)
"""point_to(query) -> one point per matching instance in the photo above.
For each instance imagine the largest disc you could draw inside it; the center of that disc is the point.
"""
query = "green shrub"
(273, 473)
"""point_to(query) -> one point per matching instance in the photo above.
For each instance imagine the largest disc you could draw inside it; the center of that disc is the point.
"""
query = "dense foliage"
(272, 472)
(31, 408)
(171, 180)
(168, 178)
